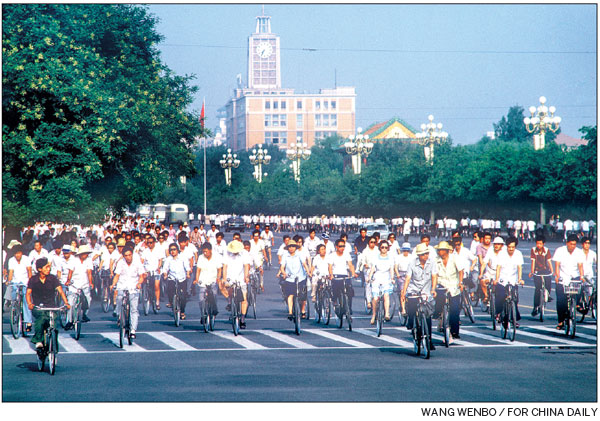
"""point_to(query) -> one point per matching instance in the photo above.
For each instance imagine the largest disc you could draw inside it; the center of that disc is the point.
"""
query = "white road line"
(338, 338)
(492, 338)
(172, 341)
(114, 338)
(286, 339)
(240, 340)
(19, 346)
(547, 337)
(67, 344)
(593, 327)
(460, 342)
(553, 330)
(385, 338)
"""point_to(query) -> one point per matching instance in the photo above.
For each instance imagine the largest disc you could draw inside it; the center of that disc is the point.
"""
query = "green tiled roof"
(378, 128)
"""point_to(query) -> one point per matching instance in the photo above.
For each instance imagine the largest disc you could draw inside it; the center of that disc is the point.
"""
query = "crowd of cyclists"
(127, 254)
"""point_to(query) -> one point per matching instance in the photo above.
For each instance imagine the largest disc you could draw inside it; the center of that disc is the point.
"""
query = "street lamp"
(258, 158)
(229, 161)
(356, 146)
(296, 153)
(542, 121)
(432, 133)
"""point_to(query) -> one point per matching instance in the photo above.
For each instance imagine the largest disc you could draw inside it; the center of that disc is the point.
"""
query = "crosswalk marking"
(172, 341)
(593, 327)
(338, 338)
(19, 346)
(114, 338)
(286, 339)
(67, 344)
(460, 342)
(385, 338)
(240, 340)
(553, 330)
(492, 338)
(565, 341)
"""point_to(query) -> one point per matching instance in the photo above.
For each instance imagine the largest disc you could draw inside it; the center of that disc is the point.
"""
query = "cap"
(498, 240)
(405, 247)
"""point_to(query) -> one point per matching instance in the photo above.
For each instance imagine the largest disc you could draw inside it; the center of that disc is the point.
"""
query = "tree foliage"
(89, 110)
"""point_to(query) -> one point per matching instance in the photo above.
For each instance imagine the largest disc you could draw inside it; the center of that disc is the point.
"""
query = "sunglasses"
(383, 248)
(342, 246)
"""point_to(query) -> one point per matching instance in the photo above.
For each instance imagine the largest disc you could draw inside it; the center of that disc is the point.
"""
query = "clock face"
(264, 49)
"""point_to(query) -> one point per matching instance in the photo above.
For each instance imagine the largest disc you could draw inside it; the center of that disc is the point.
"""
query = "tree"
(511, 126)
(89, 110)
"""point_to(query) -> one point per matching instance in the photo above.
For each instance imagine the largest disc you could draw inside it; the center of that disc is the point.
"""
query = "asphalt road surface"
(267, 362)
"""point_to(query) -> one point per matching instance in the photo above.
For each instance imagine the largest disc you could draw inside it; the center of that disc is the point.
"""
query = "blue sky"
(465, 64)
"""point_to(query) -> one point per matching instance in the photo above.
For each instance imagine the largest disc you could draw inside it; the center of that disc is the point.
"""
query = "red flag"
(202, 115)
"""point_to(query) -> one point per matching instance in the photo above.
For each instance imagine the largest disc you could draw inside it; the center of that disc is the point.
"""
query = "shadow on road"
(29, 366)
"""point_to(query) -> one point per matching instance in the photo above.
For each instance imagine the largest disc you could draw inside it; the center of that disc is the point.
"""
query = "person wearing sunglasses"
(380, 277)
(340, 263)
(364, 264)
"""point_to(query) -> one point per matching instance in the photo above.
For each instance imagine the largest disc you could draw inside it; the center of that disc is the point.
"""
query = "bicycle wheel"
(78, 323)
(573, 318)
(542, 304)
(128, 324)
(379, 318)
(348, 315)
(145, 299)
(121, 328)
(176, 310)
(593, 306)
(204, 316)
(307, 307)
(416, 334)
(467, 306)
(512, 320)
(41, 359)
(425, 337)
(446, 325)
(52, 351)
(105, 298)
(318, 306)
(492, 307)
(15, 320)
(366, 301)
(297, 315)
(393, 304)
(504, 321)
(326, 307)
(254, 294)
(235, 320)
(341, 311)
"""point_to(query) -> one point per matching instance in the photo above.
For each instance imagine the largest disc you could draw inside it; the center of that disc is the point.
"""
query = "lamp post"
(295, 153)
(357, 146)
(229, 161)
(432, 133)
(258, 158)
(542, 119)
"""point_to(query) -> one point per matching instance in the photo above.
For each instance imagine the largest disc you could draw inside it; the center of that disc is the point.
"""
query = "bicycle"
(77, 314)
(492, 302)
(147, 293)
(208, 310)
(253, 288)
(17, 325)
(125, 320)
(323, 300)
(420, 331)
(508, 316)
(572, 291)
(588, 299)
(544, 295)
(380, 314)
(176, 305)
(105, 294)
(236, 312)
(465, 301)
(50, 342)
(62, 314)
(445, 315)
(296, 309)
(343, 306)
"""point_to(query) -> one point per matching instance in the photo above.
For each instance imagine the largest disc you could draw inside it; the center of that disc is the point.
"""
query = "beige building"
(266, 113)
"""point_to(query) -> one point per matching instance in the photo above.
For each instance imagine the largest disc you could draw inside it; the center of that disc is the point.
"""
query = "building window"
(276, 138)
(317, 120)
(275, 120)
(267, 105)
(267, 120)
(275, 105)
(325, 105)
(298, 105)
(283, 105)
(323, 135)
(299, 121)
(333, 105)
(300, 136)
(325, 120)
(317, 105)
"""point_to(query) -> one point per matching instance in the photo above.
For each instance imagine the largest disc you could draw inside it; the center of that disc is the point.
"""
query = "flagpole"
(204, 138)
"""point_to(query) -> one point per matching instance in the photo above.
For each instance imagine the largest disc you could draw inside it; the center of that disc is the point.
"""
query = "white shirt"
(509, 267)
(176, 268)
(209, 269)
(235, 266)
(568, 263)
(384, 267)
(402, 262)
(339, 263)
(129, 275)
(34, 256)
(151, 258)
(79, 279)
(311, 245)
(20, 275)
(267, 238)
(256, 249)
(321, 266)
(588, 264)
(464, 259)
(490, 261)
(220, 249)
(56, 263)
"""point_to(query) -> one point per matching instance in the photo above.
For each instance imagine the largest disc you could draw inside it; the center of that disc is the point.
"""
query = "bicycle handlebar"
(42, 308)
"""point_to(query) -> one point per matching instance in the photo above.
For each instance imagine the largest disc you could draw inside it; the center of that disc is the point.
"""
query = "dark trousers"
(41, 323)
(411, 311)
(337, 285)
(181, 286)
(537, 280)
(453, 311)
(501, 296)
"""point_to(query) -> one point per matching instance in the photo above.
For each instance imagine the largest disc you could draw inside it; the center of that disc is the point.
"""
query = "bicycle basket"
(573, 288)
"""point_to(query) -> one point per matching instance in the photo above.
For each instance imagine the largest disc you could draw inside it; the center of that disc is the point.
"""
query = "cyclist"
(450, 275)
(219, 244)
(176, 269)
(312, 242)
(236, 270)
(319, 268)
(509, 270)
(80, 277)
(364, 264)
(129, 275)
(589, 266)
(329, 247)
(152, 259)
(466, 260)
(282, 252)
(41, 290)
(380, 276)
(259, 254)
(37, 253)
(209, 270)
(540, 265)
(421, 278)
(401, 263)
(339, 264)
(19, 272)
(361, 242)
(568, 266)
(294, 266)
(482, 250)
(55, 259)
(269, 241)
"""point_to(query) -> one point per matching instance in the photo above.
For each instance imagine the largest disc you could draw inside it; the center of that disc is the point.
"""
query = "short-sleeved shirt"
(509, 267)
(293, 268)
(177, 268)
(42, 293)
(542, 260)
(448, 274)
(55, 262)
(209, 269)
(129, 274)
(79, 279)
(235, 266)
(588, 264)
(420, 276)
(482, 251)
(339, 264)
(267, 238)
(402, 262)
(569, 263)
(152, 257)
(256, 249)
(321, 266)
(360, 244)
(34, 256)
(20, 275)
(383, 268)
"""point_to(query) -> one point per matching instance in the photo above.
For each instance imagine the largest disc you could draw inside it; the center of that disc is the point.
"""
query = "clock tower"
(263, 56)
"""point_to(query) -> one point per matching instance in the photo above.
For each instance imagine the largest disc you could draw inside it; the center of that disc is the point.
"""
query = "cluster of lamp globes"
(299, 150)
(229, 160)
(545, 117)
(431, 132)
(358, 144)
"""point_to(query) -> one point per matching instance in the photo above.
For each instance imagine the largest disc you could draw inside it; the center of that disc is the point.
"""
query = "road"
(268, 362)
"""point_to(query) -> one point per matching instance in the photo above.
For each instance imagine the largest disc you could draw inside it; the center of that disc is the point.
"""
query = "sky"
(466, 64)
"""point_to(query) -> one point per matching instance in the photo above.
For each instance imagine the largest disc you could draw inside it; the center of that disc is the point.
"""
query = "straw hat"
(291, 243)
(121, 242)
(12, 244)
(443, 245)
(84, 249)
(235, 246)
(422, 248)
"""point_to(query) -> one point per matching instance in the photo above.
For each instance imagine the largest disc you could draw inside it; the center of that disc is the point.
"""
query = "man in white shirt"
(208, 272)
(269, 241)
(311, 243)
(37, 253)
(259, 254)
(19, 272)
(340, 263)
(129, 275)
(152, 259)
(509, 271)
(176, 270)
(569, 266)
(80, 278)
